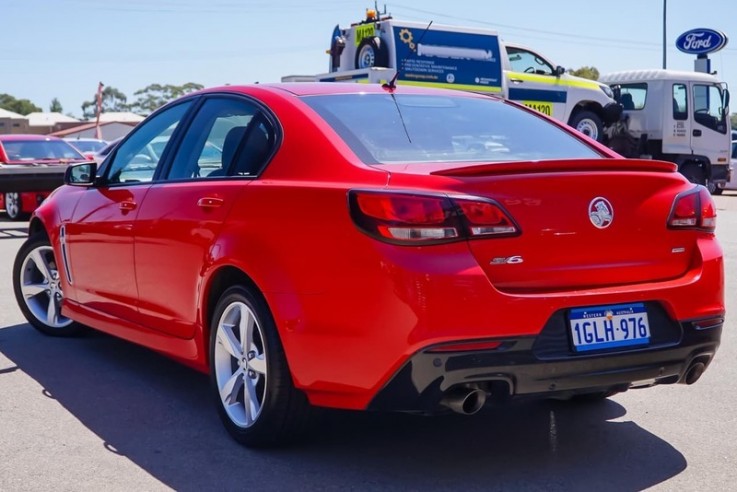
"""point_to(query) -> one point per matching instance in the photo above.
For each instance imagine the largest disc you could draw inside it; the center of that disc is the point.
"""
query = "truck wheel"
(694, 173)
(371, 53)
(713, 188)
(588, 123)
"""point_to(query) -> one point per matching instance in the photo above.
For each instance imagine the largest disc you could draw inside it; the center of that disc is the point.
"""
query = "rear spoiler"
(562, 165)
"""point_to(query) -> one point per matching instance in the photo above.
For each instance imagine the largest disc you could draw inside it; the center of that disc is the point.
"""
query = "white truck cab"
(468, 59)
(677, 116)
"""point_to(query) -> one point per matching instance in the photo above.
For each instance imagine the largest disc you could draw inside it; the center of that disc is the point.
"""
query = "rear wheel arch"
(220, 281)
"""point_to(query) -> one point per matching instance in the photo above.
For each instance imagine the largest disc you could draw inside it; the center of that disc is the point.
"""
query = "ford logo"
(701, 41)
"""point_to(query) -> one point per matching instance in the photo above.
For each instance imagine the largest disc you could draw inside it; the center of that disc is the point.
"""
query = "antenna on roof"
(392, 84)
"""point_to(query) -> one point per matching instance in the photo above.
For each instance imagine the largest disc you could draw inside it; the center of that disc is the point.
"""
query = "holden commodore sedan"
(379, 248)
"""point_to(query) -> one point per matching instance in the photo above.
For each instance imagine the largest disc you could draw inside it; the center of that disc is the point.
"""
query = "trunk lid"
(584, 224)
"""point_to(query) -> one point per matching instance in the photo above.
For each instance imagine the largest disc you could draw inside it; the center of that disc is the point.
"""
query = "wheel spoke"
(52, 312)
(229, 391)
(227, 339)
(32, 290)
(246, 325)
(258, 364)
(250, 400)
(40, 261)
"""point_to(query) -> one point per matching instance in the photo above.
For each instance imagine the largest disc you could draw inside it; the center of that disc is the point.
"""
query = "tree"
(55, 106)
(153, 96)
(112, 100)
(585, 72)
(733, 120)
(20, 106)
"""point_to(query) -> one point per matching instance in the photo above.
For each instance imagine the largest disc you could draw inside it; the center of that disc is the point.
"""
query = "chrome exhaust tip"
(466, 401)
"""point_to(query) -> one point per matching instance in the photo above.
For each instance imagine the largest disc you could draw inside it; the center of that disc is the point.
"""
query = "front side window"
(136, 159)
(633, 96)
(423, 128)
(526, 61)
(680, 102)
(708, 107)
(222, 141)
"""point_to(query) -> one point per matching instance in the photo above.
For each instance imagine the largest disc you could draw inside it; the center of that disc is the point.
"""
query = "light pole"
(665, 2)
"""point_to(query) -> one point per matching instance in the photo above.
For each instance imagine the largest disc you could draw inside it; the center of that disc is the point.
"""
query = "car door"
(99, 238)
(533, 81)
(177, 227)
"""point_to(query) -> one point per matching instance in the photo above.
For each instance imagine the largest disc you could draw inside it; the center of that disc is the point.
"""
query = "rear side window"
(633, 96)
(381, 128)
(228, 137)
(680, 102)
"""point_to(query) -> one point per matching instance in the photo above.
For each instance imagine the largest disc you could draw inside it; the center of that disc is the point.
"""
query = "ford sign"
(701, 41)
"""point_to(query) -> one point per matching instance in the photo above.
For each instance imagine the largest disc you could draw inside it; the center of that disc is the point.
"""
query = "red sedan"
(366, 247)
(31, 150)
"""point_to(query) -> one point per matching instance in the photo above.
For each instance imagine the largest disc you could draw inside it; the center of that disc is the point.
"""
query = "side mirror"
(81, 174)
(559, 71)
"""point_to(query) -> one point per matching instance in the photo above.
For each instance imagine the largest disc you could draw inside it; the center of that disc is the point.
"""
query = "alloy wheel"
(240, 364)
(40, 286)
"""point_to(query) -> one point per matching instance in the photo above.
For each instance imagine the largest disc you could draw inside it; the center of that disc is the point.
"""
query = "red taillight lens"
(694, 209)
(486, 218)
(414, 218)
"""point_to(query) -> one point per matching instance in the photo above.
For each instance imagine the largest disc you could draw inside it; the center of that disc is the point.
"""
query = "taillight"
(694, 209)
(418, 218)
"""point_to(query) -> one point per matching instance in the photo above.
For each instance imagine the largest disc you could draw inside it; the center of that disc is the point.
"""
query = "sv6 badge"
(509, 260)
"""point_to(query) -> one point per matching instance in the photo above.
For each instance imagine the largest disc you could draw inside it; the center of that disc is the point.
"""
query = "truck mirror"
(559, 71)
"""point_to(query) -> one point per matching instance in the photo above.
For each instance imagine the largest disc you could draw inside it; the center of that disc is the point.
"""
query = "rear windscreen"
(386, 128)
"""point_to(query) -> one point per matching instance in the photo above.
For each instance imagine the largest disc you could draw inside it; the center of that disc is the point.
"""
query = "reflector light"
(465, 347)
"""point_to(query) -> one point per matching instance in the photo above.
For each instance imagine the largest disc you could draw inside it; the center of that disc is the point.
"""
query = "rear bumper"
(546, 366)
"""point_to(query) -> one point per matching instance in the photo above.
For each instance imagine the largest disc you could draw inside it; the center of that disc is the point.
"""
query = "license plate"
(606, 327)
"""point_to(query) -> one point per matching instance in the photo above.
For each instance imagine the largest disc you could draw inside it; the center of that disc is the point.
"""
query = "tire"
(694, 173)
(713, 188)
(37, 287)
(588, 123)
(371, 52)
(275, 412)
(14, 206)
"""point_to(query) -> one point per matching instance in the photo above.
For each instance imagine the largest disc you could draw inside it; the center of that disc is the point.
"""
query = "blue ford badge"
(701, 41)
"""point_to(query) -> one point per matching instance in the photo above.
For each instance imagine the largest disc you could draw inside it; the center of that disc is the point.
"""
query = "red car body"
(369, 319)
(23, 203)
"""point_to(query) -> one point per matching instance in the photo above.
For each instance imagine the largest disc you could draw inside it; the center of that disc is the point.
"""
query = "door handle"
(209, 202)
(516, 81)
(697, 133)
(128, 206)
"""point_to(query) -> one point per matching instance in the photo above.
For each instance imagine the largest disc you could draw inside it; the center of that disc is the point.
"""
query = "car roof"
(26, 137)
(327, 88)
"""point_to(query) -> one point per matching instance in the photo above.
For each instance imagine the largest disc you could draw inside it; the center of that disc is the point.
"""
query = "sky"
(63, 48)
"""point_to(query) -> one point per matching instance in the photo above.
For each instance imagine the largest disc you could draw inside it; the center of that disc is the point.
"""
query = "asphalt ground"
(97, 413)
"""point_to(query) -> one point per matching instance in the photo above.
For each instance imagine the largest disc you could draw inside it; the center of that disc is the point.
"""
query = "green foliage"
(154, 96)
(20, 106)
(585, 72)
(55, 106)
(112, 100)
(733, 119)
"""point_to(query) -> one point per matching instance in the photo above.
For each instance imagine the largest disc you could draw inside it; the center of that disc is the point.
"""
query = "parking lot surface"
(97, 413)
